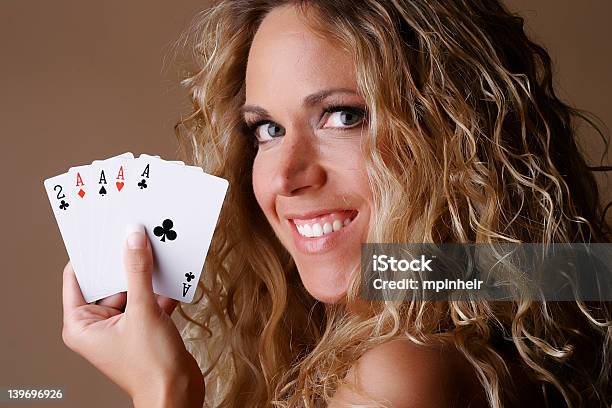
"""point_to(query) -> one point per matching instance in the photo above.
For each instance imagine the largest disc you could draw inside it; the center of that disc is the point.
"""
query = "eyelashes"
(352, 110)
(250, 127)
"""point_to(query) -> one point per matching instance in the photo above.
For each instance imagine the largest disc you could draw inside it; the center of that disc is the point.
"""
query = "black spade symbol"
(102, 191)
(165, 231)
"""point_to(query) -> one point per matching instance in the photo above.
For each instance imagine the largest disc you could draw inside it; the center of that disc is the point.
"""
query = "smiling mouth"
(324, 224)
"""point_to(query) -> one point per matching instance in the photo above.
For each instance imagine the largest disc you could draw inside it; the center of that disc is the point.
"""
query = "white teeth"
(337, 225)
(318, 230)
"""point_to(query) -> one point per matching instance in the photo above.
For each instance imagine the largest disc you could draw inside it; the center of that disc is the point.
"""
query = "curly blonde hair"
(464, 125)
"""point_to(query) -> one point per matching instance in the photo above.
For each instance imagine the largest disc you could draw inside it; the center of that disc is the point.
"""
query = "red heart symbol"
(120, 185)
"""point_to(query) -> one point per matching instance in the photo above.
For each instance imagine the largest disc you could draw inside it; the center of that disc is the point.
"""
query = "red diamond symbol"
(81, 193)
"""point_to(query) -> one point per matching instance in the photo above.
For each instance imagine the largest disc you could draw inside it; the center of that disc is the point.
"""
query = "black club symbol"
(63, 205)
(165, 231)
(142, 184)
(189, 276)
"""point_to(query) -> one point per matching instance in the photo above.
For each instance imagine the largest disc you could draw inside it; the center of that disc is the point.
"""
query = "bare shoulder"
(403, 374)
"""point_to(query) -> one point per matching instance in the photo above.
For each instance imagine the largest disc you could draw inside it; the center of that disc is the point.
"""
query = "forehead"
(286, 55)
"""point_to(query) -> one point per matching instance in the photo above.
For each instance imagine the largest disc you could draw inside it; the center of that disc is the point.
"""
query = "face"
(309, 176)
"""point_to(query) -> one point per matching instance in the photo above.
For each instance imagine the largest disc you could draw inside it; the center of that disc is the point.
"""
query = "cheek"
(355, 174)
(363, 186)
(261, 188)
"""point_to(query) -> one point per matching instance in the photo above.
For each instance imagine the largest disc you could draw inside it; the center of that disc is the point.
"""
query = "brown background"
(84, 80)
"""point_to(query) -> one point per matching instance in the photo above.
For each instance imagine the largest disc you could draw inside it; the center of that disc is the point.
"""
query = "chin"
(324, 285)
(328, 297)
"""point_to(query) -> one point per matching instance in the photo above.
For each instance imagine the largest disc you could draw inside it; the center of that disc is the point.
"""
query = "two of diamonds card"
(179, 206)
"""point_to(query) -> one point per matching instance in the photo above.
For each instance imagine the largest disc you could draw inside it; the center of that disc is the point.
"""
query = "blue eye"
(265, 130)
(343, 117)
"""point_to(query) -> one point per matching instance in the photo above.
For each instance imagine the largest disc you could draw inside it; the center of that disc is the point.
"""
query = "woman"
(338, 123)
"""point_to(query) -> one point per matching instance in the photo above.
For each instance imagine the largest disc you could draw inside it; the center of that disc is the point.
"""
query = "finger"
(71, 291)
(167, 304)
(116, 301)
(138, 264)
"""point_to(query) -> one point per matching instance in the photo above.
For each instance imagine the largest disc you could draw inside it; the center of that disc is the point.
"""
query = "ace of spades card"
(111, 185)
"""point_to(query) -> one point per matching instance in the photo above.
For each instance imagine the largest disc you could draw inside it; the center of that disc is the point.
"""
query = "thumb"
(138, 264)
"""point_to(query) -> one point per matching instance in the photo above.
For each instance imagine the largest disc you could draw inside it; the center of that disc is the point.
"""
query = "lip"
(324, 243)
(314, 214)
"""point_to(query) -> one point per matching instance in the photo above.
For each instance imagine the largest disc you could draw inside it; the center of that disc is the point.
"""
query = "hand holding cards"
(179, 206)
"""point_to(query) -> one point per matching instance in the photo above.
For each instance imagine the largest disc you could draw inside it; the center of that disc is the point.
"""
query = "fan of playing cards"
(179, 206)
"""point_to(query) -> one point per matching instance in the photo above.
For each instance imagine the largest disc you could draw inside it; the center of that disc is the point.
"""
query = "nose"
(298, 166)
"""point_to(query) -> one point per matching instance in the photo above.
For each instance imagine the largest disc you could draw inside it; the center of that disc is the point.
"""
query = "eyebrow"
(309, 100)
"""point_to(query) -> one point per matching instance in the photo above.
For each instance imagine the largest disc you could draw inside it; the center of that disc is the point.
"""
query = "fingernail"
(136, 238)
